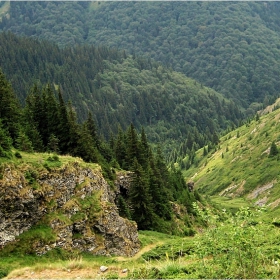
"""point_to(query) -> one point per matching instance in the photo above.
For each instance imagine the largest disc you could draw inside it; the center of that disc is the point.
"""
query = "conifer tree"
(144, 150)
(23, 143)
(53, 144)
(123, 208)
(90, 123)
(120, 149)
(5, 142)
(132, 146)
(10, 111)
(86, 148)
(63, 130)
(158, 192)
(52, 112)
(140, 198)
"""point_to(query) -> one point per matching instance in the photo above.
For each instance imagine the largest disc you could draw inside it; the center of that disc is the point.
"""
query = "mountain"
(119, 89)
(223, 45)
(244, 167)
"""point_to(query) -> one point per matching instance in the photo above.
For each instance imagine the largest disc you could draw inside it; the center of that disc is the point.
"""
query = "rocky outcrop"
(75, 203)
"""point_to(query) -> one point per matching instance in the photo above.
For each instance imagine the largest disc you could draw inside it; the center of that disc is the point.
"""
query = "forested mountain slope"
(245, 164)
(232, 47)
(119, 90)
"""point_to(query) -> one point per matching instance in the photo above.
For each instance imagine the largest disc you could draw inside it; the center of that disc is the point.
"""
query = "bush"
(18, 155)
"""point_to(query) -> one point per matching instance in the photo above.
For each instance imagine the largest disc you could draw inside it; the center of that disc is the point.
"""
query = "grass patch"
(25, 242)
(230, 204)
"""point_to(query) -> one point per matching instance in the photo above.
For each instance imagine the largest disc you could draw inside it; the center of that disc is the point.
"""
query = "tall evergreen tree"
(5, 142)
(159, 193)
(120, 149)
(23, 143)
(91, 126)
(132, 146)
(10, 111)
(63, 130)
(140, 198)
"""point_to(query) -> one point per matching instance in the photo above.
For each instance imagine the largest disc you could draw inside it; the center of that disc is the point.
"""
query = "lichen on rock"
(75, 202)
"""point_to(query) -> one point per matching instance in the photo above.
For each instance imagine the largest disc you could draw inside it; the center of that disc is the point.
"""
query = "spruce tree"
(5, 142)
(10, 111)
(53, 144)
(132, 146)
(140, 198)
(23, 143)
(120, 149)
(86, 148)
(159, 193)
(90, 123)
(63, 128)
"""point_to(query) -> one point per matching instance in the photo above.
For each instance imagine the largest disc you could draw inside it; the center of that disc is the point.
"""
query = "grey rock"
(103, 268)
(61, 193)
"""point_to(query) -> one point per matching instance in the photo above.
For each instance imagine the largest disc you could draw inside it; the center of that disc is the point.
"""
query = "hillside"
(243, 170)
(119, 89)
(223, 45)
(62, 203)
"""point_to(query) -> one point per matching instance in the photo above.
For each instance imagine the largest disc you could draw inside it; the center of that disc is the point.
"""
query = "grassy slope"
(161, 255)
(240, 171)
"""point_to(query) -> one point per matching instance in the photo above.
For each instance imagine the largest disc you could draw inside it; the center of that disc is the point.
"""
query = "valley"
(139, 140)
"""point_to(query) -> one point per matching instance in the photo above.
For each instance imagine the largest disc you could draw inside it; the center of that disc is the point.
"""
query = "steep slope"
(245, 164)
(224, 45)
(70, 207)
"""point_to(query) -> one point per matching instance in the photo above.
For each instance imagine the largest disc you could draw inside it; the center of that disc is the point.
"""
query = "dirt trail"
(140, 253)
(78, 271)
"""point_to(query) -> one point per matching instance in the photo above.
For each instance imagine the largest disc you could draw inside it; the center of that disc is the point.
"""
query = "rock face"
(76, 204)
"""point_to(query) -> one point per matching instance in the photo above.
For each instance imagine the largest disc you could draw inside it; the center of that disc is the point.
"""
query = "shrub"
(18, 155)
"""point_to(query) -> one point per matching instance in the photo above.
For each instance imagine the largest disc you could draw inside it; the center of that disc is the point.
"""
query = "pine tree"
(90, 123)
(132, 146)
(10, 111)
(120, 149)
(86, 148)
(123, 208)
(52, 112)
(23, 143)
(5, 142)
(158, 192)
(140, 198)
(63, 129)
(53, 144)
(144, 150)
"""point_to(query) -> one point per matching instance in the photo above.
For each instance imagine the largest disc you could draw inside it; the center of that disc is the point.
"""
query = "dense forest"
(120, 89)
(223, 45)
(48, 124)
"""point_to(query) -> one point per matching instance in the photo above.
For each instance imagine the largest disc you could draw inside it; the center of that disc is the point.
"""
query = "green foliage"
(91, 204)
(117, 89)
(216, 43)
(273, 149)
(52, 162)
(241, 164)
(5, 143)
(233, 246)
(18, 155)
(23, 143)
(239, 250)
(25, 242)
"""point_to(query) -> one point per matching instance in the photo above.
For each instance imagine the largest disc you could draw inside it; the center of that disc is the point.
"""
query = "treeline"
(232, 47)
(119, 89)
(48, 124)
